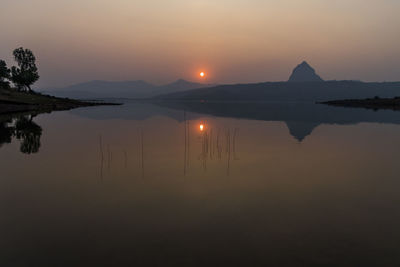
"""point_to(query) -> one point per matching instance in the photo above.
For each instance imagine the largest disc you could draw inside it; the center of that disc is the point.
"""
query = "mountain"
(179, 86)
(304, 73)
(104, 89)
(122, 89)
(289, 91)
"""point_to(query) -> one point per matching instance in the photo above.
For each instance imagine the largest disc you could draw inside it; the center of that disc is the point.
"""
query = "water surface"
(142, 185)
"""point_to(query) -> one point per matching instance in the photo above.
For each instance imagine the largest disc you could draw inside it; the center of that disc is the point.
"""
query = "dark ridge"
(122, 89)
(304, 73)
(287, 92)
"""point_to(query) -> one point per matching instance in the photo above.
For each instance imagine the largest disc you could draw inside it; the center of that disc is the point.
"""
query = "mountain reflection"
(301, 118)
(22, 128)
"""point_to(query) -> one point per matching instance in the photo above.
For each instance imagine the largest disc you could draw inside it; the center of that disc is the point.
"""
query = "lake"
(201, 184)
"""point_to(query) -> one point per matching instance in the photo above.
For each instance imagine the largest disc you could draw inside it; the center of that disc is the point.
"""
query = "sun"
(202, 74)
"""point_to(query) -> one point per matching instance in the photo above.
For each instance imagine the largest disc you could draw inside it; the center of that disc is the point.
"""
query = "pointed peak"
(304, 73)
(304, 63)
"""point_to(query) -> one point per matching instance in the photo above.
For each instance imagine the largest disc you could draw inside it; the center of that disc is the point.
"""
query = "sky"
(232, 41)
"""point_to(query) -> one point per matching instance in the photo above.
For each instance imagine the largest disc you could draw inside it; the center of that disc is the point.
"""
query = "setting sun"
(201, 127)
(202, 74)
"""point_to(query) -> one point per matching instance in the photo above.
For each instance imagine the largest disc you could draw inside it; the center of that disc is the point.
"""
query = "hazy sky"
(232, 40)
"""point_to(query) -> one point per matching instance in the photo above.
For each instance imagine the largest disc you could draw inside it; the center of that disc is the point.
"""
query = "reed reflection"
(206, 144)
(114, 161)
(101, 157)
(217, 145)
(186, 154)
(141, 157)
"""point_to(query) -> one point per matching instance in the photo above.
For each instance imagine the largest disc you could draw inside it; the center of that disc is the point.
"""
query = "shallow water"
(142, 185)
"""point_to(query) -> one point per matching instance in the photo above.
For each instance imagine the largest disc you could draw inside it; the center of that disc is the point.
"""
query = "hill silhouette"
(304, 73)
(289, 92)
(178, 86)
(122, 89)
(304, 85)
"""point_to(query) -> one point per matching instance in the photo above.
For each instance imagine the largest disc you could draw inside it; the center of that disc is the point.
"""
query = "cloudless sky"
(231, 40)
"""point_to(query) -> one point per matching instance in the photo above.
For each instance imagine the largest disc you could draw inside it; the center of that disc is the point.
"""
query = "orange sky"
(231, 40)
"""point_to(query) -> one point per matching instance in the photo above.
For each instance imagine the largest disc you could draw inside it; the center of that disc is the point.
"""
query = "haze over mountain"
(122, 89)
(179, 86)
(303, 85)
(304, 73)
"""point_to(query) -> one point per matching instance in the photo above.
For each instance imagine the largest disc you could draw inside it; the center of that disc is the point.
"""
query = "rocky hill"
(304, 73)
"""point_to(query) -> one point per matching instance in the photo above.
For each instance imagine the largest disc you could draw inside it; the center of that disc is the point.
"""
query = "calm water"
(142, 185)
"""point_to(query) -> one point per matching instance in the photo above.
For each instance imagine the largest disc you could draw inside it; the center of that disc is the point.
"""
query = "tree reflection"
(24, 129)
(6, 133)
(29, 133)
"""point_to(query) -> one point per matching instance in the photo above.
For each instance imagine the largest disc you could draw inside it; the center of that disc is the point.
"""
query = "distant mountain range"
(122, 89)
(303, 85)
(289, 91)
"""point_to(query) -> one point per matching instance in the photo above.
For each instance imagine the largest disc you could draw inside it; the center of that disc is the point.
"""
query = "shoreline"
(368, 103)
(12, 101)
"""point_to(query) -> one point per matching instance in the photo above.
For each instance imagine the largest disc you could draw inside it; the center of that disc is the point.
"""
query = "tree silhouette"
(26, 73)
(4, 74)
(29, 133)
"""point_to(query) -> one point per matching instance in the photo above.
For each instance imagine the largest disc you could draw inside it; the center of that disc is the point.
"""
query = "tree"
(26, 73)
(4, 74)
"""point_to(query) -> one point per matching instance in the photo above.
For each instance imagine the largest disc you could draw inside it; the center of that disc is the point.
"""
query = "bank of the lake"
(14, 101)
(369, 103)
